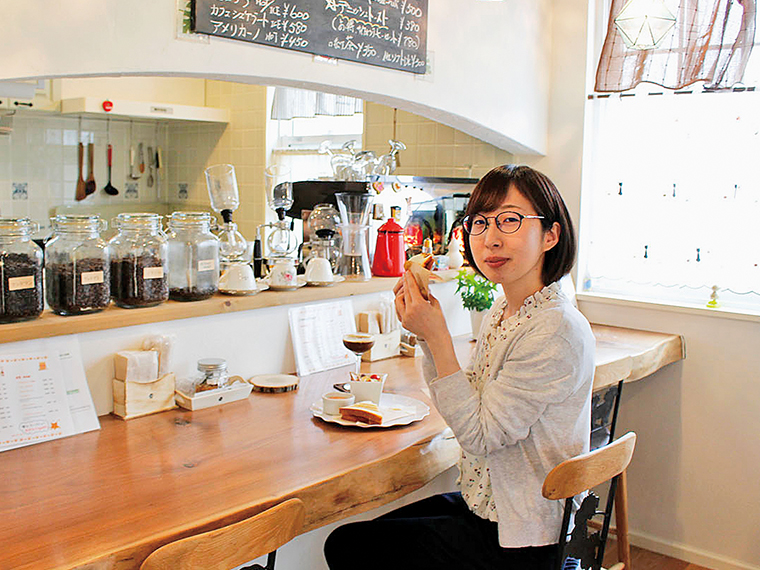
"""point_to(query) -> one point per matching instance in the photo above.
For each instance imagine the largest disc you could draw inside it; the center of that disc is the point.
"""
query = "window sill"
(720, 312)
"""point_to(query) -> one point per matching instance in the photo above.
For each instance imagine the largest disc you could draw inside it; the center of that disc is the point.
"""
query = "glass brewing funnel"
(279, 189)
(354, 212)
(223, 193)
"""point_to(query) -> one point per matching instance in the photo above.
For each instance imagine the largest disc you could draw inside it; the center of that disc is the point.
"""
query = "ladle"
(81, 194)
(109, 188)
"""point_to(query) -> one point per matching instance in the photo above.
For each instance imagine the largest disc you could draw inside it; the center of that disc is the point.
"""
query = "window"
(671, 195)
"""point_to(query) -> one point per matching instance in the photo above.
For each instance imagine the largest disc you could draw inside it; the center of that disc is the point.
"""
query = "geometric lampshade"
(643, 24)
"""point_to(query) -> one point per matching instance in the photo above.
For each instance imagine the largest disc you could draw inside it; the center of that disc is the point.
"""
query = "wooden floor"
(646, 560)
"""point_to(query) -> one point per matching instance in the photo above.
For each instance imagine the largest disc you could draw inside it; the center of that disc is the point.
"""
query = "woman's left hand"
(422, 317)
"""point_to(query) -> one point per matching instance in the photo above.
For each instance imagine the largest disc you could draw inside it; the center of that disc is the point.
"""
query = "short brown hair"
(489, 194)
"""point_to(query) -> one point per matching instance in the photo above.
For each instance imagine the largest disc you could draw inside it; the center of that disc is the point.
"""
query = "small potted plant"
(477, 296)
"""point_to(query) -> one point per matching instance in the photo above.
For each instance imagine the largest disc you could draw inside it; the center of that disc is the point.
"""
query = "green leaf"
(477, 293)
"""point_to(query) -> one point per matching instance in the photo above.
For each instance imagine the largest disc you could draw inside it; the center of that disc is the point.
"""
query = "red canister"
(390, 253)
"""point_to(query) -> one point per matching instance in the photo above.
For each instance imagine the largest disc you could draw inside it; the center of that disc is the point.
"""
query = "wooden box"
(134, 399)
(386, 346)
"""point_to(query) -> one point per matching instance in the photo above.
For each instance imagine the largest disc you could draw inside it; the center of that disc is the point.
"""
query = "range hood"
(119, 108)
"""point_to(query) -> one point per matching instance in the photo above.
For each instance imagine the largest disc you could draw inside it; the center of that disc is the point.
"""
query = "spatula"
(90, 185)
(81, 194)
(109, 188)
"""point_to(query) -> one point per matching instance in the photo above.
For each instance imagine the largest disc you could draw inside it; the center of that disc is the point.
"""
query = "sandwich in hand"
(421, 266)
(367, 412)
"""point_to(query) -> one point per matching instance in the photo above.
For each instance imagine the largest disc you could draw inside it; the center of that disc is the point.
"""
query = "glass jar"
(139, 255)
(213, 374)
(77, 270)
(20, 271)
(193, 256)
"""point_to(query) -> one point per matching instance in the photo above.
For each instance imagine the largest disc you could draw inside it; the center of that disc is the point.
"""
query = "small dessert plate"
(336, 279)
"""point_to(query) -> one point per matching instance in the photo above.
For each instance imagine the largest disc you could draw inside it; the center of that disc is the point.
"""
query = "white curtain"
(290, 103)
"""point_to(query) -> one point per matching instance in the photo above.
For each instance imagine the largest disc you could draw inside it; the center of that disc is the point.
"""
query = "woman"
(520, 408)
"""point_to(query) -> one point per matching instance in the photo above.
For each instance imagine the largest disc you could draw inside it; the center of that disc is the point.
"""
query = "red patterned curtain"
(711, 42)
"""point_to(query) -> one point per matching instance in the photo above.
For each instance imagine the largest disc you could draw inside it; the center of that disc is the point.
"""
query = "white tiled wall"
(39, 164)
(241, 143)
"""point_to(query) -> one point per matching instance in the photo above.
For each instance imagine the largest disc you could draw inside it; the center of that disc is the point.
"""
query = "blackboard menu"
(388, 33)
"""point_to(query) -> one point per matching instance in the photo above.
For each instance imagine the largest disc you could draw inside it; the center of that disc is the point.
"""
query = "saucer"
(336, 279)
(260, 286)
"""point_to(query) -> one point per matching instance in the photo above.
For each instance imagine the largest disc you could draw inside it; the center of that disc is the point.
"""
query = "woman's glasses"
(507, 222)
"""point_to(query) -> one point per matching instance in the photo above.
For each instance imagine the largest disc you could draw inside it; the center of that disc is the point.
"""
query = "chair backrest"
(575, 476)
(232, 545)
(583, 472)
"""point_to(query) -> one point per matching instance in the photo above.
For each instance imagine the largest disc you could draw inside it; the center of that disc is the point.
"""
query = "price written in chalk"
(387, 33)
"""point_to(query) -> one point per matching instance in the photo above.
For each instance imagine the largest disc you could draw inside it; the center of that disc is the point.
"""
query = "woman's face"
(514, 260)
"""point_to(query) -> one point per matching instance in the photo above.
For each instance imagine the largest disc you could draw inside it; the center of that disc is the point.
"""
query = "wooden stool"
(582, 473)
(234, 544)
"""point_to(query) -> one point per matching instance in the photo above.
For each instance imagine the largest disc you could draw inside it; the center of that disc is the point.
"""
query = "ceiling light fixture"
(643, 24)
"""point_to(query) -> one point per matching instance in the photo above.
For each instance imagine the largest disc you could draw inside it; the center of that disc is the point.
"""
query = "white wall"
(489, 73)
(693, 482)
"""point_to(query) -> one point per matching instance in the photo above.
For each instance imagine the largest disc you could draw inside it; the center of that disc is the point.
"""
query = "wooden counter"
(106, 499)
(49, 324)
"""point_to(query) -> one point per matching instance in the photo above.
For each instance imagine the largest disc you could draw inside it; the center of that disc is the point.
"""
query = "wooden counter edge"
(346, 494)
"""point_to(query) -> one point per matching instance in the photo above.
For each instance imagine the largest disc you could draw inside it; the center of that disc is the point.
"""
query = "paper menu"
(317, 333)
(44, 394)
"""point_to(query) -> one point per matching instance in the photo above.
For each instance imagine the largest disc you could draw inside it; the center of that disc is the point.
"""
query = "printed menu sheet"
(44, 395)
(317, 332)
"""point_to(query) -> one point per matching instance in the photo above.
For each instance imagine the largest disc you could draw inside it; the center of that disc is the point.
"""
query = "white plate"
(260, 286)
(300, 282)
(397, 411)
(336, 279)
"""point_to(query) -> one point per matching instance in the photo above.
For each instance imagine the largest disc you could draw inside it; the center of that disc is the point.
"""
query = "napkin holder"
(135, 399)
(386, 343)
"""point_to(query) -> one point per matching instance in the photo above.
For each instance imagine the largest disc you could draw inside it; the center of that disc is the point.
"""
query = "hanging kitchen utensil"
(150, 167)
(109, 188)
(80, 192)
(134, 171)
(141, 158)
(90, 185)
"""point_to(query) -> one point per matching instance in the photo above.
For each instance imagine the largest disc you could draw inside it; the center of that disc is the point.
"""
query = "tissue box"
(386, 346)
(135, 399)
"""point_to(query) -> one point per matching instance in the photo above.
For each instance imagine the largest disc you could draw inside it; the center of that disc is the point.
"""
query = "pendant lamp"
(643, 24)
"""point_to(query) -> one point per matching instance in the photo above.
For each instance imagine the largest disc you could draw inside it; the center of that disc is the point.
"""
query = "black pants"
(437, 533)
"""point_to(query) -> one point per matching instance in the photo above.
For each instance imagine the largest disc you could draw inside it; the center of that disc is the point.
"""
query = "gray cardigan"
(534, 410)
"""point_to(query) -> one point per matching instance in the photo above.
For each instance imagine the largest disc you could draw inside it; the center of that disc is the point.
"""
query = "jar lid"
(78, 222)
(212, 365)
(140, 220)
(17, 227)
(189, 219)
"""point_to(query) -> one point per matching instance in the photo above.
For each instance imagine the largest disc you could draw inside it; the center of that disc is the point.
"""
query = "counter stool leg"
(621, 520)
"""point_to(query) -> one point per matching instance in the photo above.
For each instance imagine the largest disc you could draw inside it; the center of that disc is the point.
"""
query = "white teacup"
(283, 274)
(237, 277)
(332, 402)
(319, 270)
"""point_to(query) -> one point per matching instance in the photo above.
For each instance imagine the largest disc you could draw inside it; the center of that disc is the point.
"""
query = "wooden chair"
(232, 545)
(582, 473)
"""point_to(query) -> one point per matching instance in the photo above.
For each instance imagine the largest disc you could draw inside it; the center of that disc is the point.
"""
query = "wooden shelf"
(50, 324)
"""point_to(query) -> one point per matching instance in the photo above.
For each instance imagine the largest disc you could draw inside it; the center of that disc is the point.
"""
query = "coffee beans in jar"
(20, 271)
(139, 281)
(77, 266)
(139, 255)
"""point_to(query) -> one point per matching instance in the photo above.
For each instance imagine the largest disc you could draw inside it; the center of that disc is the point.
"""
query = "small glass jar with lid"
(77, 269)
(139, 261)
(20, 271)
(213, 374)
(193, 256)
